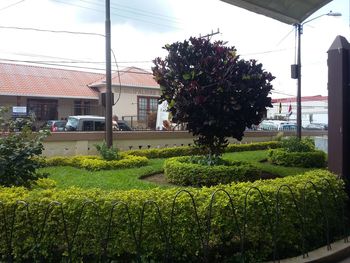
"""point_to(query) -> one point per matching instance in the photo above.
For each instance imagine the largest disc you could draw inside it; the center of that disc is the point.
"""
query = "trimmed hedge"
(314, 159)
(187, 150)
(95, 163)
(181, 171)
(126, 225)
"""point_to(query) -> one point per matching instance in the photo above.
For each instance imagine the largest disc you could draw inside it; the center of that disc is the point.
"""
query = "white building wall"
(312, 111)
(127, 104)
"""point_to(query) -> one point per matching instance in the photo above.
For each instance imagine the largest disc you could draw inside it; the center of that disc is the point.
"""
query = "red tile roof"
(306, 98)
(131, 77)
(25, 80)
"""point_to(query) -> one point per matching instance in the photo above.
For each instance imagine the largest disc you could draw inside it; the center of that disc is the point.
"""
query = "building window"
(82, 107)
(145, 106)
(43, 109)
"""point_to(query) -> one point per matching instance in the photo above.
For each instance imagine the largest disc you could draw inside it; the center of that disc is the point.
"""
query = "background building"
(52, 93)
(314, 109)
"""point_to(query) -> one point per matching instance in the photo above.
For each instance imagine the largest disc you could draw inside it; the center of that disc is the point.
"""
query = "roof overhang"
(31, 95)
(286, 11)
(103, 85)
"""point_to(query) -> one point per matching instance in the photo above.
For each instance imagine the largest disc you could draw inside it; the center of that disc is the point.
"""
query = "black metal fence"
(202, 228)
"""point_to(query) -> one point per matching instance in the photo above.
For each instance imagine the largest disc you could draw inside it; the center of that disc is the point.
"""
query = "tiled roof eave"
(49, 96)
(103, 85)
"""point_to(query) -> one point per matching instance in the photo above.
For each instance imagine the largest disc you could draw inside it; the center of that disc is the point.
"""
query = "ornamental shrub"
(18, 148)
(95, 163)
(44, 183)
(170, 226)
(187, 150)
(294, 144)
(211, 89)
(313, 159)
(107, 153)
(299, 153)
(187, 172)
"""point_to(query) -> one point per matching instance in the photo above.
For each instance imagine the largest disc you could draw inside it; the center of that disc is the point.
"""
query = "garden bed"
(208, 224)
(160, 178)
(186, 171)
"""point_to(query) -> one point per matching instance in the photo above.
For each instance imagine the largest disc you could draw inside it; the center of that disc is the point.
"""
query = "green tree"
(208, 87)
(18, 147)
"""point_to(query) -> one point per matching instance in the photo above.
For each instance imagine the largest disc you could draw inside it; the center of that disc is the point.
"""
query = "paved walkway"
(340, 253)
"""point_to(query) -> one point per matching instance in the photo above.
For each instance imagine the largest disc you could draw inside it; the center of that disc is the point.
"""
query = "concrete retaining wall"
(82, 143)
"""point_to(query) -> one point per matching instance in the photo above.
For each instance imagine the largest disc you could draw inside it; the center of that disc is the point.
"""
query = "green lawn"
(125, 179)
(256, 156)
(122, 179)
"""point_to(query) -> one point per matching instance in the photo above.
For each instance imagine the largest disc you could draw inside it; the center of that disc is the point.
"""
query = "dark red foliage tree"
(211, 89)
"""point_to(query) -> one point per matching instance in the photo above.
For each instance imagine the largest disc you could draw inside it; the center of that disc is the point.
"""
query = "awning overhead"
(286, 11)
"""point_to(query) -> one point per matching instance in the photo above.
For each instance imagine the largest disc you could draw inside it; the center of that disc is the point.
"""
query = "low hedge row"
(181, 171)
(170, 226)
(95, 163)
(314, 159)
(187, 150)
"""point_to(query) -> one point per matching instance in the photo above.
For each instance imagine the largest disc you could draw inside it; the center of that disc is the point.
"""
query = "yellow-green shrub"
(44, 183)
(187, 150)
(121, 214)
(95, 163)
(181, 171)
(313, 159)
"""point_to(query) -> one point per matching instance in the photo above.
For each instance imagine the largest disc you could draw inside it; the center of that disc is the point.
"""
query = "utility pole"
(296, 68)
(299, 28)
(108, 109)
(210, 35)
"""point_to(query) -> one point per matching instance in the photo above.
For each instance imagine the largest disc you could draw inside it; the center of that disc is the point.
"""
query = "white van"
(85, 123)
(92, 123)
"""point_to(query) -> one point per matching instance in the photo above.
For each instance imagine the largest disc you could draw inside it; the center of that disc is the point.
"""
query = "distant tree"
(211, 89)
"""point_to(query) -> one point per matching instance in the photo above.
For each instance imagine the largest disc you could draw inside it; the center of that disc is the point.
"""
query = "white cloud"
(254, 36)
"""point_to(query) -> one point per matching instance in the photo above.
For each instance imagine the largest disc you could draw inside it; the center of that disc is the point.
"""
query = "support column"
(339, 109)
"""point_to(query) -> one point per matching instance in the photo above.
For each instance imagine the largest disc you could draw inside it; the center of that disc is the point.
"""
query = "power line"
(50, 64)
(86, 62)
(52, 31)
(266, 52)
(282, 93)
(120, 83)
(71, 66)
(119, 15)
(12, 5)
(136, 11)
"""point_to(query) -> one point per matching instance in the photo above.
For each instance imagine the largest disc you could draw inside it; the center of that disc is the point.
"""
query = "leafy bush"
(211, 89)
(298, 153)
(294, 144)
(44, 183)
(313, 159)
(187, 150)
(182, 171)
(107, 153)
(17, 152)
(95, 163)
(253, 146)
(120, 225)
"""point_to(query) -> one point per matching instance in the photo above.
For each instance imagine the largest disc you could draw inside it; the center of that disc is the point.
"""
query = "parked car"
(123, 126)
(56, 125)
(287, 127)
(267, 126)
(92, 123)
(317, 126)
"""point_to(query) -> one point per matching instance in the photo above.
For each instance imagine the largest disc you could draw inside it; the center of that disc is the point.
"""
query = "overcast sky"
(140, 28)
